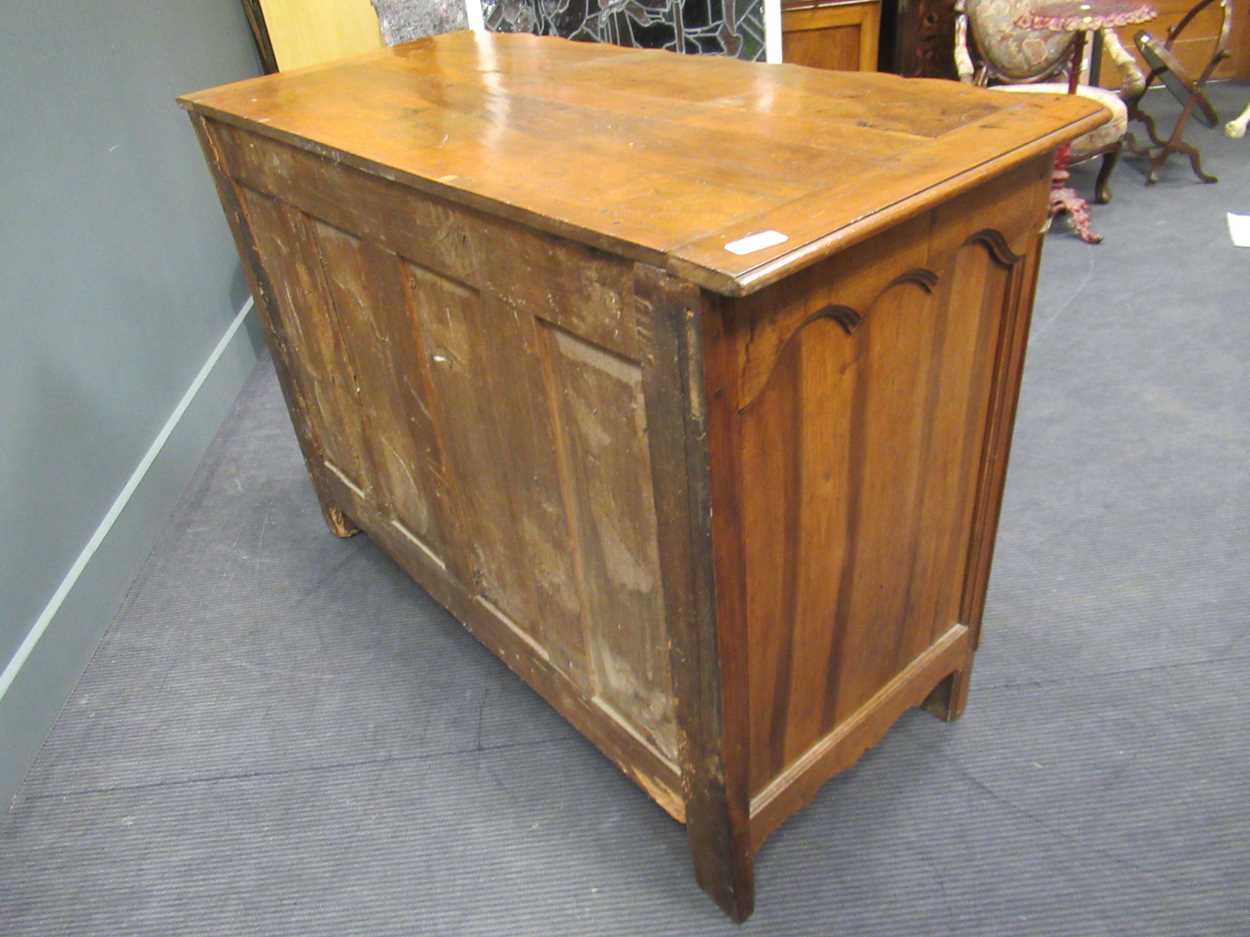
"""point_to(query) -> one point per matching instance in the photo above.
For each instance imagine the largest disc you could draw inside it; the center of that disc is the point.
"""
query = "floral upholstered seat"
(1098, 139)
(1015, 59)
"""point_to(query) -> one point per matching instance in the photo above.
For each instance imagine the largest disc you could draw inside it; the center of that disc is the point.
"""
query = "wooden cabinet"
(685, 384)
(841, 35)
(918, 38)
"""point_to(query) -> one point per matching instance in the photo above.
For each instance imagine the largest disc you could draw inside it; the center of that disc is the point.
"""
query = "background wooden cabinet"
(918, 38)
(1195, 45)
(840, 36)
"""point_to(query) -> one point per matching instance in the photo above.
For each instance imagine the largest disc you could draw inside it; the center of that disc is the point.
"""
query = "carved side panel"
(861, 433)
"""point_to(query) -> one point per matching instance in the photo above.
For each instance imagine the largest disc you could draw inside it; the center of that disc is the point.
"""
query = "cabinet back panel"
(491, 419)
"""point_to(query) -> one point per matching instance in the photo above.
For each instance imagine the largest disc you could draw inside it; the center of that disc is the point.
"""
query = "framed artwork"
(290, 34)
(697, 27)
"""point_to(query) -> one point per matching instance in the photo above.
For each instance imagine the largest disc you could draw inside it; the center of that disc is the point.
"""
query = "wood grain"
(490, 121)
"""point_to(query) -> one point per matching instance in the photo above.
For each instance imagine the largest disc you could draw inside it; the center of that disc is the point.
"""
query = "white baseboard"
(37, 680)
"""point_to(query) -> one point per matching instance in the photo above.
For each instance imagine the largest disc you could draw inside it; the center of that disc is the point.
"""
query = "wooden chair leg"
(1157, 159)
(1151, 129)
(1102, 187)
(1195, 162)
(339, 523)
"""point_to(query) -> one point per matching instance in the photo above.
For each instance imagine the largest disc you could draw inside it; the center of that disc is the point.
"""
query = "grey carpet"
(280, 734)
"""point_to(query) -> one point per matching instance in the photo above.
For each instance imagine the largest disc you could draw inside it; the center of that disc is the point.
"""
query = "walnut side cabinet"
(685, 384)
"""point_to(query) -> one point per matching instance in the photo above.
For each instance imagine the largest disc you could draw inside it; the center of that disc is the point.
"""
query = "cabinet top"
(731, 174)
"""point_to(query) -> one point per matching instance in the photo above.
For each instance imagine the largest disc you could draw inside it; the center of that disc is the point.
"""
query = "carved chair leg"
(339, 523)
(1066, 201)
(1102, 187)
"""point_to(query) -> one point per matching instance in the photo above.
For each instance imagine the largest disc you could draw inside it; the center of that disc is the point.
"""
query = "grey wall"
(117, 279)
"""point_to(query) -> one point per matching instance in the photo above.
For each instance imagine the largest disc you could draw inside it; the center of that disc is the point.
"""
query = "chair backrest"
(1009, 53)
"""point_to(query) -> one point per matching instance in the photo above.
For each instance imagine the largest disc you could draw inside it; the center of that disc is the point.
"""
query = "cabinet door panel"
(365, 283)
(842, 37)
(322, 370)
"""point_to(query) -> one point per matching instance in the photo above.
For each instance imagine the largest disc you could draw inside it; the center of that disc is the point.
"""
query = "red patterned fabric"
(1085, 17)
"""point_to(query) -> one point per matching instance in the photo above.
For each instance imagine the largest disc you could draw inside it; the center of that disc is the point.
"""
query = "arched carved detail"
(997, 245)
(927, 280)
(844, 316)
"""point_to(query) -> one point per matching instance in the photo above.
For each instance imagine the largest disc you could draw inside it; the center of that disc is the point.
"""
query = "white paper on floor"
(1239, 228)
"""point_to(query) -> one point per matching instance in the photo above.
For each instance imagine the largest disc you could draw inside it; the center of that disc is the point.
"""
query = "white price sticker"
(756, 242)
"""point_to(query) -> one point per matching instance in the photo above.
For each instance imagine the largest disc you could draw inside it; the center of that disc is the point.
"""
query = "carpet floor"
(281, 734)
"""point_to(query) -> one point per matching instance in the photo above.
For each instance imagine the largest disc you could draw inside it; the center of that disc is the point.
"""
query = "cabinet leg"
(339, 523)
(948, 699)
(723, 865)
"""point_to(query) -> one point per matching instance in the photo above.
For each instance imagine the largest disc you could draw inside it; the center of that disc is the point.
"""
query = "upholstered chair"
(991, 50)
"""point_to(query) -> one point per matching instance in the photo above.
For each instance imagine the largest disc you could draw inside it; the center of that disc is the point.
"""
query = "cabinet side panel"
(866, 389)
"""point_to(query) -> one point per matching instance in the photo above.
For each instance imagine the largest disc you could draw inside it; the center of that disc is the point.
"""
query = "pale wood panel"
(450, 315)
(367, 289)
(511, 384)
(486, 283)
(310, 32)
(288, 252)
(597, 397)
(497, 451)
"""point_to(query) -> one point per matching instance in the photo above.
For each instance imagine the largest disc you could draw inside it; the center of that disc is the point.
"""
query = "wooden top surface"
(661, 157)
